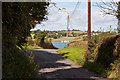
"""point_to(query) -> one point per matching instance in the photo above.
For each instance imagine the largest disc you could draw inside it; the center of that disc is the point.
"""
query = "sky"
(57, 20)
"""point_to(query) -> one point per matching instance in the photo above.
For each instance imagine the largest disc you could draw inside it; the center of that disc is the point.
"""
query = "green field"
(69, 38)
(80, 32)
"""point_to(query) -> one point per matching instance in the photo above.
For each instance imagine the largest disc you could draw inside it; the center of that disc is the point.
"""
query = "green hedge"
(105, 51)
(18, 65)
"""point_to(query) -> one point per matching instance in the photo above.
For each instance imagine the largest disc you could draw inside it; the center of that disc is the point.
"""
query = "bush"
(40, 37)
(80, 44)
(95, 67)
(18, 65)
(47, 45)
(105, 51)
(96, 42)
(105, 55)
(17, 22)
(30, 41)
(116, 64)
(35, 42)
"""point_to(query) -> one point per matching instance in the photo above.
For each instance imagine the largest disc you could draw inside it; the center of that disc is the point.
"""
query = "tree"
(41, 37)
(17, 20)
(118, 16)
(111, 8)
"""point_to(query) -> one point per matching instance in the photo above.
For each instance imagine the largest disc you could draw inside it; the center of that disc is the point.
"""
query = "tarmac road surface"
(53, 65)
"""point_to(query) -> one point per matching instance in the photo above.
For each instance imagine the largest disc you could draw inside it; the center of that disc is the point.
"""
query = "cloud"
(57, 20)
(56, 17)
(79, 16)
(97, 17)
(103, 21)
(82, 0)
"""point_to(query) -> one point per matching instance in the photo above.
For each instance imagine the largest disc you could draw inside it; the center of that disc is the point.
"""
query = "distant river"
(59, 44)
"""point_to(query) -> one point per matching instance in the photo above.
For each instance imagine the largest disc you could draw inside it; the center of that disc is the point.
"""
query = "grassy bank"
(30, 47)
(78, 55)
(73, 53)
(103, 60)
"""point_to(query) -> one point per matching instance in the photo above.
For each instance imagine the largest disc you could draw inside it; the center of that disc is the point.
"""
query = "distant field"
(69, 38)
(80, 32)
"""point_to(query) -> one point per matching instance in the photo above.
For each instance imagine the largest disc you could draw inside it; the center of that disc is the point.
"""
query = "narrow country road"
(53, 65)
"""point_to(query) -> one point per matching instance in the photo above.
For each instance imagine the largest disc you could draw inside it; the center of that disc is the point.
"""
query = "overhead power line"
(70, 25)
(77, 6)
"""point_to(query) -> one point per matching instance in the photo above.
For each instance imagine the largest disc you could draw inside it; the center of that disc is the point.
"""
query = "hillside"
(61, 35)
(80, 32)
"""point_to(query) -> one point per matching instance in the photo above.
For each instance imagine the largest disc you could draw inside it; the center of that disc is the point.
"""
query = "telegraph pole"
(67, 26)
(89, 25)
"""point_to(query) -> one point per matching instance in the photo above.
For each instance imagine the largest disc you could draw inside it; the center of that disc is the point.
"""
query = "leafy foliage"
(116, 64)
(18, 65)
(118, 15)
(118, 10)
(106, 53)
(103, 49)
(18, 18)
(30, 42)
(41, 37)
(104, 57)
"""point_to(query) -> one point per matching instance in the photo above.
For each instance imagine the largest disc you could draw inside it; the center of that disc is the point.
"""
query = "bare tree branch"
(62, 9)
(108, 7)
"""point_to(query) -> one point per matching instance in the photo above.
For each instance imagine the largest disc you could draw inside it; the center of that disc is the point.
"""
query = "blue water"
(59, 44)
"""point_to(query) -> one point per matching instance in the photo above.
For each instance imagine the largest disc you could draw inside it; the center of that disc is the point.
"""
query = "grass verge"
(30, 47)
(73, 53)
(78, 55)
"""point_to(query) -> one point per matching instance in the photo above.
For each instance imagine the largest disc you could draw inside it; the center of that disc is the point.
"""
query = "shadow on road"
(70, 73)
(52, 66)
(46, 59)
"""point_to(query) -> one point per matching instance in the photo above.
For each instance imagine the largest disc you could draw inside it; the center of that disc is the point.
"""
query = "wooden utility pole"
(89, 19)
(89, 25)
(67, 26)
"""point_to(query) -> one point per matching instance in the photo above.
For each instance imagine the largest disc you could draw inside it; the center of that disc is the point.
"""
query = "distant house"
(56, 33)
(94, 33)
